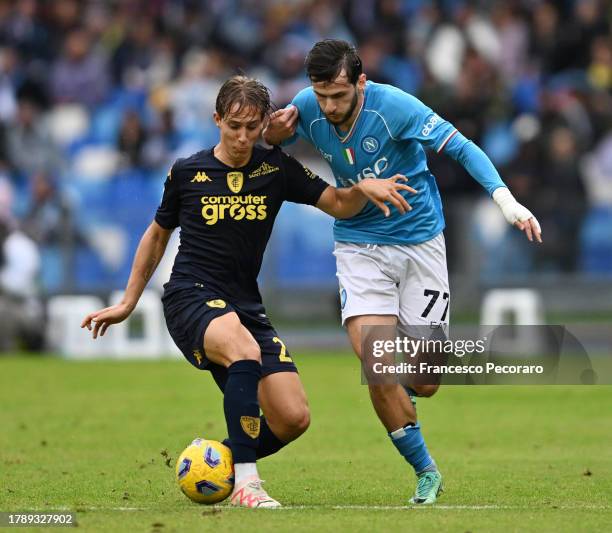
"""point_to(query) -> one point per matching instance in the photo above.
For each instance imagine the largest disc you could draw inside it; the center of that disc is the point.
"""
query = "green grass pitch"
(95, 437)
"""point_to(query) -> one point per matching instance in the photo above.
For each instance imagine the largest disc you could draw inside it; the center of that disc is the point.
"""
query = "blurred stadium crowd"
(97, 99)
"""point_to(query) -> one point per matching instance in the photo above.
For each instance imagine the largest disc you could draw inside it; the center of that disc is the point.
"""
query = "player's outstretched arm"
(148, 255)
(281, 126)
(347, 202)
(476, 162)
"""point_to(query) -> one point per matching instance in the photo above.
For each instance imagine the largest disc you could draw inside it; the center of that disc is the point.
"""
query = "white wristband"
(501, 196)
(512, 210)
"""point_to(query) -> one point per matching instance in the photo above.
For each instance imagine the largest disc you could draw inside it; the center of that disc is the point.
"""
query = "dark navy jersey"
(226, 216)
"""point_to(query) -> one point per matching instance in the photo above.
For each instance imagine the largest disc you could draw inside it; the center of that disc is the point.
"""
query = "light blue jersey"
(388, 138)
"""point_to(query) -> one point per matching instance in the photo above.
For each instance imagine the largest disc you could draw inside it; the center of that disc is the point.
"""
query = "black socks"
(242, 409)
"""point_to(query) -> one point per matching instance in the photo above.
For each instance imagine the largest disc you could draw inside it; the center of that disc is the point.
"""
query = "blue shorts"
(189, 309)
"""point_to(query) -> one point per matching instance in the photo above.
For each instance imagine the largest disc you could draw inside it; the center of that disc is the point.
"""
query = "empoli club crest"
(250, 425)
(217, 304)
(235, 180)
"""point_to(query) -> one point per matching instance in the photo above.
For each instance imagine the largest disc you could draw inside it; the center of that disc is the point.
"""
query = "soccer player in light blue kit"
(390, 268)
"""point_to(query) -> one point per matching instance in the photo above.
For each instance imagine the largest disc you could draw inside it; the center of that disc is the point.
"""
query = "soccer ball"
(205, 471)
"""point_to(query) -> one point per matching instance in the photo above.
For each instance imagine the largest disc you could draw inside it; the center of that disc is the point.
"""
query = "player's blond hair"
(244, 91)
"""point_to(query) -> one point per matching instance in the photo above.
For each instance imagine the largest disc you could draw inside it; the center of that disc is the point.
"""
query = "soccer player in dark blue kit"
(225, 200)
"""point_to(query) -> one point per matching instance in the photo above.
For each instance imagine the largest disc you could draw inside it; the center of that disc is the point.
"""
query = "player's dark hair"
(327, 59)
(244, 91)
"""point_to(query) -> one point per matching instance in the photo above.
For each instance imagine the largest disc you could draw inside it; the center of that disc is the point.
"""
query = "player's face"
(340, 100)
(240, 129)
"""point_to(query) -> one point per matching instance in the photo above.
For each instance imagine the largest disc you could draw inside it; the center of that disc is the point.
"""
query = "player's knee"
(296, 421)
(301, 420)
(425, 391)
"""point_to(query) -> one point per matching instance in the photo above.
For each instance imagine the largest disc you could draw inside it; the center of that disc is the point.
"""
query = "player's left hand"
(531, 227)
(517, 215)
(383, 191)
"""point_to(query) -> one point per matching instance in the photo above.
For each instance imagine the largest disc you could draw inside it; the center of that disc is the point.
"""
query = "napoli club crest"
(370, 145)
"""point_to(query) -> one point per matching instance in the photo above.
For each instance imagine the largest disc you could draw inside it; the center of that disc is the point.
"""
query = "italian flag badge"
(349, 156)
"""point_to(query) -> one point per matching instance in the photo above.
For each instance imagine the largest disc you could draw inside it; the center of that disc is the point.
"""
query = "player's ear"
(217, 118)
(361, 81)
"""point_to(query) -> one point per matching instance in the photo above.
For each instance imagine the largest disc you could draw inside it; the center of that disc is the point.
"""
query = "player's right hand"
(382, 191)
(103, 318)
(281, 125)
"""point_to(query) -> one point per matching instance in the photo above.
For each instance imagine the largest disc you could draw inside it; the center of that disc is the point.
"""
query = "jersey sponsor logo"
(430, 124)
(215, 304)
(370, 145)
(200, 177)
(250, 207)
(375, 170)
(345, 182)
(326, 156)
(250, 425)
(264, 169)
(235, 180)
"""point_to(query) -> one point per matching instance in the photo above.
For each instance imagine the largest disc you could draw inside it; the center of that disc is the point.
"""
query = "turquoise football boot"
(429, 486)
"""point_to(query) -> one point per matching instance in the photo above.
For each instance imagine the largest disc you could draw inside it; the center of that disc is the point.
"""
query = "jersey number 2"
(284, 358)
